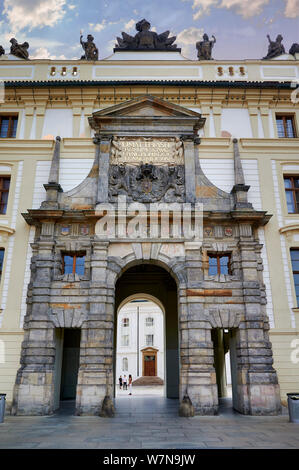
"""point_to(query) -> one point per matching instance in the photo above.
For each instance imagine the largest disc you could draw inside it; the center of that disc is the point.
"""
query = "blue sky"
(52, 27)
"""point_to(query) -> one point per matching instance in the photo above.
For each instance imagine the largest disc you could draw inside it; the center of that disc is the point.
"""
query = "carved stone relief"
(147, 169)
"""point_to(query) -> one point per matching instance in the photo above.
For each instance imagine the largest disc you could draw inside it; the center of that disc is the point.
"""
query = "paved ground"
(148, 390)
(150, 423)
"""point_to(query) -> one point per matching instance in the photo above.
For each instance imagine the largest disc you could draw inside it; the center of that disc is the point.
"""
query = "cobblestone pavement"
(148, 423)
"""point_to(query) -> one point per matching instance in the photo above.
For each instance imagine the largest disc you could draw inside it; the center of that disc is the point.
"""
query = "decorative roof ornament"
(2, 51)
(275, 48)
(204, 48)
(90, 49)
(19, 50)
(294, 49)
(146, 40)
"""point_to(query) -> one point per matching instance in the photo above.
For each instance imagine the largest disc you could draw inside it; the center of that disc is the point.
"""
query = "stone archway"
(155, 282)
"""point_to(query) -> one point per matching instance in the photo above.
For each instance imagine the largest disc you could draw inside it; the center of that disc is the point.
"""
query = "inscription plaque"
(155, 150)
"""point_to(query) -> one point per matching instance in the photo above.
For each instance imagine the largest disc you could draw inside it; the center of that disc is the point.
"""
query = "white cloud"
(188, 38)
(203, 7)
(130, 25)
(72, 7)
(98, 26)
(292, 8)
(43, 53)
(33, 13)
(245, 8)
(190, 35)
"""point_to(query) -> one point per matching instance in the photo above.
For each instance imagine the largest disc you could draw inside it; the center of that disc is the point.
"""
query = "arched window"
(125, 364)
(125, 322)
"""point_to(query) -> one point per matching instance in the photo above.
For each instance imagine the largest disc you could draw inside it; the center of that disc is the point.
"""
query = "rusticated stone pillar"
(197, 375)
(34, 388)
(257, 383)
(95, 377)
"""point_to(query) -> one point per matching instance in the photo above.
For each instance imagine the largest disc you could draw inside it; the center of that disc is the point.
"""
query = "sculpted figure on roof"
(275, 48)
(90, 49)
(19, 50)
(294, 49)
(204, 48)
(146, 39)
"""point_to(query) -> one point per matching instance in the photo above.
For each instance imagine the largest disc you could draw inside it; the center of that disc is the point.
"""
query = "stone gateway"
(78, 279)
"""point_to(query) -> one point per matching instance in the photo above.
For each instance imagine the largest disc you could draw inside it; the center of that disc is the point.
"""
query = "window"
(4, 189)
(219, 264)
(8, 126)
(285, 126)
(125, 364)
(295, 267)
(73, 263)
(291, 185)
(125, 340)
(149, 339)
(1, 260)
(125, 322)
(149, 321)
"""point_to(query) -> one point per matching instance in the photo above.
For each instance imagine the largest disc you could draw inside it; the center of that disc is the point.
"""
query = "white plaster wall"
(236, 122)
(72, 173)
(220, 172)
(58, 122)
(9, 250)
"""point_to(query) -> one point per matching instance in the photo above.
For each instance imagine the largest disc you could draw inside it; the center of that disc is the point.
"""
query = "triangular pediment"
(146, 105)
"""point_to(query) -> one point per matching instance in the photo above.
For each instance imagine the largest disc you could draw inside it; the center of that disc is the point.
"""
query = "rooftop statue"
(204, 48)
(275, 48)
(90, 49)
(2, 51)
(146, 40)
(294, 49)
(19, 50)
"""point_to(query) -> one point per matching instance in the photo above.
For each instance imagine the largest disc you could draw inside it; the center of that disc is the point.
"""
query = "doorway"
(150, 283)
(66, 365)
(225, 363)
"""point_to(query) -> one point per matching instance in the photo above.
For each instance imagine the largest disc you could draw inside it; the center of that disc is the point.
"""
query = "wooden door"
(149, 366)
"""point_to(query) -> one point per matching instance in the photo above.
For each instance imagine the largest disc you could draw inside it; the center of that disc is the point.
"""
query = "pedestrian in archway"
(130, 384)
(125, 383)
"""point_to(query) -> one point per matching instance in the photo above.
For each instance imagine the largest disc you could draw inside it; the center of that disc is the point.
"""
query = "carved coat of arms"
(147, 182)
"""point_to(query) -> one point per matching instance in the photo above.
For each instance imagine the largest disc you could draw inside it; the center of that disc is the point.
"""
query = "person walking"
(120, 382)
(130, 384)
(125, 387)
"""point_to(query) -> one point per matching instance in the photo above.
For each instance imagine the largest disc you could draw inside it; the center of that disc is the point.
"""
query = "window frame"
(11, 118)
(125, 323)
(292, 190)
(125, 361)
(2, 190)
(284, 117)
(295, 272)
(125, 344)
(1, 267)
(152, 322)
(75, 255)
(218, 256)
(146, 341)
